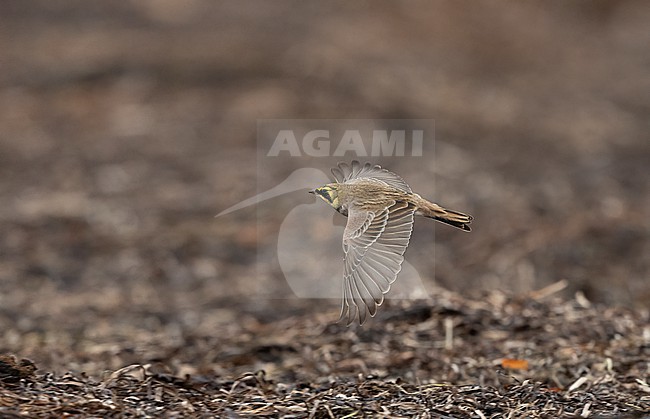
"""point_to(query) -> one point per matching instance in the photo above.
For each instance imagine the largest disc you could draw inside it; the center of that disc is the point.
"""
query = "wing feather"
(374, 245)
(346, 173)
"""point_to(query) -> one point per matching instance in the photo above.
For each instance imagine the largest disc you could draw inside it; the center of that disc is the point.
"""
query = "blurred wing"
(345, 173)
(374, 246)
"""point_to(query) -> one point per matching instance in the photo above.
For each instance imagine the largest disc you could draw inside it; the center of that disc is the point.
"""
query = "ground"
(126, 126)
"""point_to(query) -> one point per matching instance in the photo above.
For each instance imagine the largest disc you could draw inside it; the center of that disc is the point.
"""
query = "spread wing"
(345, 173)
(374, 244)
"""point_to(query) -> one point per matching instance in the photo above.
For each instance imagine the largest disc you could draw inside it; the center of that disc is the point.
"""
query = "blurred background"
(125, 126)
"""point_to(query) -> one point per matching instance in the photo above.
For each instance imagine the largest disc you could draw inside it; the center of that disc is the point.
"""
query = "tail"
(438, 213)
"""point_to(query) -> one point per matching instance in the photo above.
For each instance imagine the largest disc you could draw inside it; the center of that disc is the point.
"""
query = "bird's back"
(370, 194)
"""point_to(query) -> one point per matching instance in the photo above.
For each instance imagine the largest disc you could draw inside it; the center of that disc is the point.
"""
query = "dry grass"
(507, 358)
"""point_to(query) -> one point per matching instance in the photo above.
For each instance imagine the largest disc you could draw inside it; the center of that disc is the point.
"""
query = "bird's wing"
(344, 173)
(374, 244)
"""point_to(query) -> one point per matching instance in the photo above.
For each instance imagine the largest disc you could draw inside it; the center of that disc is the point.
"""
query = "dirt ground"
(125, 126)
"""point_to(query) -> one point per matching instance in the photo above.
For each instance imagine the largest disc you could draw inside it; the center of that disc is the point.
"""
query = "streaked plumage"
(380, 207)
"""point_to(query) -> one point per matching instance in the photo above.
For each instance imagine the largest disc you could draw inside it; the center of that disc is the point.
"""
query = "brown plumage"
(380, 207)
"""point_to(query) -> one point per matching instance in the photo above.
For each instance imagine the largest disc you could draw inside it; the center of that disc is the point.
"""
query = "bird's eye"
(325, 192)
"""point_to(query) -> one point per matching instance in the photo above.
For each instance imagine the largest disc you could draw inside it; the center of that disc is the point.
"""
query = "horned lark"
(380, 207)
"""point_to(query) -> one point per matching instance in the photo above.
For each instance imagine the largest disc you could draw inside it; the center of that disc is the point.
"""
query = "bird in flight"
(380, 207)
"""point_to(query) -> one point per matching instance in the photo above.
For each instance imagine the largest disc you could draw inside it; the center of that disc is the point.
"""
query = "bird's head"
(328, 193)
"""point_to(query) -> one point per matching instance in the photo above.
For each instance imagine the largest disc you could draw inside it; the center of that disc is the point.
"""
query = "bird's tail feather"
(451, 217)
(457, 224)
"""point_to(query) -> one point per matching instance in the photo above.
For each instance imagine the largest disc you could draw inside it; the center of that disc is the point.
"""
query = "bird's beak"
(313, 191)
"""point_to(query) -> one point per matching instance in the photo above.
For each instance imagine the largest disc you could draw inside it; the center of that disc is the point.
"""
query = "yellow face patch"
(329, 195)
